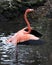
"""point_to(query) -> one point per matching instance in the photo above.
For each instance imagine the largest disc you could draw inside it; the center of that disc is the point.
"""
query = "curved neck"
(27, 22)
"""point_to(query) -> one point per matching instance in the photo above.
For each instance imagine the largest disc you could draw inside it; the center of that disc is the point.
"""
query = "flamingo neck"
(27, 22)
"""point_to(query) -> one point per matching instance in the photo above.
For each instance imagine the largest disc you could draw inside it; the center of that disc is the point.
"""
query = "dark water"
(21, 54)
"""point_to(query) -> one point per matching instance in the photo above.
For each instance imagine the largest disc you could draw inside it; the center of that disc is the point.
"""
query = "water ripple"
(20, 54)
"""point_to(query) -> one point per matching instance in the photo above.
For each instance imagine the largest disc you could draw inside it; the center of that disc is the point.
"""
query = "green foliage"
(9, 9)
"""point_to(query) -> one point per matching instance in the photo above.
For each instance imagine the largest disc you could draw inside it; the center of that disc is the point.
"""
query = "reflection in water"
(20, 54)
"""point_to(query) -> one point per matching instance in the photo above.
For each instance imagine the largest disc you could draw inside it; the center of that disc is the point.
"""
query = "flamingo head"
(29, 10)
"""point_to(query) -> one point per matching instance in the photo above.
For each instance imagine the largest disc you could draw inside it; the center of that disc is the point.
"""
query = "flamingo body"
(23, 35)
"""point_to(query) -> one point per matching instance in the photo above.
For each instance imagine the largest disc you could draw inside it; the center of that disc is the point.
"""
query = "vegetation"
(11, 19)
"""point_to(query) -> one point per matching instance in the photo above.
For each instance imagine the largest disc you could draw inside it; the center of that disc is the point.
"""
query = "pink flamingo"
(23, 35)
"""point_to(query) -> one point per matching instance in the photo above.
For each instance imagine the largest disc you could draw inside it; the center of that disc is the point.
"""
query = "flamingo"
(23, 34)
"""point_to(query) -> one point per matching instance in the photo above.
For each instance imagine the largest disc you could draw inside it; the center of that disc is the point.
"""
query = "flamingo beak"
(31, 9)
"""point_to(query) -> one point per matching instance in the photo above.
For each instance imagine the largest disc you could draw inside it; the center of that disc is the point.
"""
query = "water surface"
(21, 54)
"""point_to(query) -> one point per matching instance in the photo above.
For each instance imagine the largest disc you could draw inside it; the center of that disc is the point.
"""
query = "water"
(7, 52)
(20, 54)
